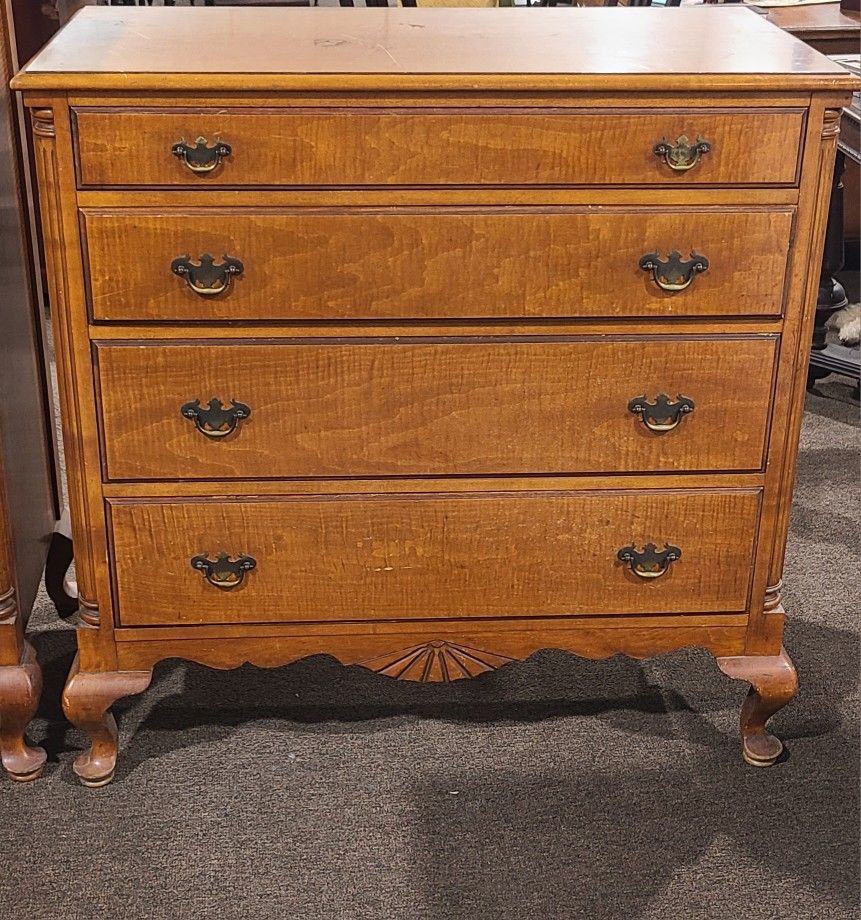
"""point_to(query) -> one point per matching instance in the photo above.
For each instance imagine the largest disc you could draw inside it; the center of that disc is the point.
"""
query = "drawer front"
(432, 556)
(467, 406)
(414, 263)
(408, 147)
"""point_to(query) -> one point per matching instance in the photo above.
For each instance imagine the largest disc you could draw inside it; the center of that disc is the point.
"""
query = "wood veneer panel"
(402, 146)
(435, 262)
(380, 407)
(437, 556)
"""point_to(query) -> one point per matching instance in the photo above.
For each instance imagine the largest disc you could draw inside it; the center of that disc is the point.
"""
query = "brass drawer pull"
(661, 415)
(206, 278)
(682, 155)
(650, 562)
(215, 420)
(201, 158)
(223, 572)
(673, 274)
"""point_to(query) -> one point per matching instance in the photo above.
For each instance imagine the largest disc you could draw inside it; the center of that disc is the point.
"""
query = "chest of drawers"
(429, 339)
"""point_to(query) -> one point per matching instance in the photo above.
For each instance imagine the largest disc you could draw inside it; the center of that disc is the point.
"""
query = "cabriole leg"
(87, 699)
(773, 683)
(20, 689)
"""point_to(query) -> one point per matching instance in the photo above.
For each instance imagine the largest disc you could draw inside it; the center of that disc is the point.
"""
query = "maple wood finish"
(437, 263)
(429, 339)
(20, 690)
(773, 683)
(406, 146)
(413, 49)
(521, 554)
(429, 408)
(87, 699)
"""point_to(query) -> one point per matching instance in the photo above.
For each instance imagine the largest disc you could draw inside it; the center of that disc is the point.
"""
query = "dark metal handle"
(673, 273)
(206, 278)
(682, 155)
(661, 415)
(650, 562)
(223, 572)
(216, 420)
(201, 158)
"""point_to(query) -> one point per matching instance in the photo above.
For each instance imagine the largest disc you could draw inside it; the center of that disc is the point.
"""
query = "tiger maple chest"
(428, 339)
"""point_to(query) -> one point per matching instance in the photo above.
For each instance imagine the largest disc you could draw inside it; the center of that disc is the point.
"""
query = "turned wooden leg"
(20, 689)
(87, 699)
(773, 683)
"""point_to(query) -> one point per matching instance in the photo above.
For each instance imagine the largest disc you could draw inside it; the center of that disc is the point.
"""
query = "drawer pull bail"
(223, 572)
(682, 155)
(661, 415)
(215, 420)
(201, 158)
(206, 278)
(673, 273)
(649, 562)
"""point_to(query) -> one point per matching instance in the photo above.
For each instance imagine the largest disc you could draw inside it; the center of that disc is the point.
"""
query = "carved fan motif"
(435, 662)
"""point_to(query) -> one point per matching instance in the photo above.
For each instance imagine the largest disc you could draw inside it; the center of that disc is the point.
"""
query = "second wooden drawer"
(434, 263)
(423, 408)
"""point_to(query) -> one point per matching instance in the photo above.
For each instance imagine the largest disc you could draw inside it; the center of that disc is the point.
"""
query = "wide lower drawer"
(325, 558)
(460, 406)
(399, 146)
(195, 264)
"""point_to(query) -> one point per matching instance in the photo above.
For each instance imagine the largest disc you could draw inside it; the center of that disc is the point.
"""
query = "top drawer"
(417, 147)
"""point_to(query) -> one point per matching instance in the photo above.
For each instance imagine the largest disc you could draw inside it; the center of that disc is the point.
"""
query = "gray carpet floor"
(555, 788)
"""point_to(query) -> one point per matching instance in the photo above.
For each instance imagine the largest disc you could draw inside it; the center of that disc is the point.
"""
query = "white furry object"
(848, 324)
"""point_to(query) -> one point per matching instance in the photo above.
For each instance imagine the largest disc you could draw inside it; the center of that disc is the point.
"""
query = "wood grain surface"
(592, 637)
(185, 49)
(381, 407)
(827, 27)
(435, 262)
(424, 557)
(403, 146)
(451, 186)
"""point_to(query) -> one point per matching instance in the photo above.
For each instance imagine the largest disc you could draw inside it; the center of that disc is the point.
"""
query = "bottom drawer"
(425, 556)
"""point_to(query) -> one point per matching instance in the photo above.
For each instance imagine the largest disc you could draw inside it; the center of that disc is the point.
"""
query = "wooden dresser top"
(622, 48)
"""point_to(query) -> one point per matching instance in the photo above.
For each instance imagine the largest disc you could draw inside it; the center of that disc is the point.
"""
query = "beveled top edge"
(709, 48)
(257, 83)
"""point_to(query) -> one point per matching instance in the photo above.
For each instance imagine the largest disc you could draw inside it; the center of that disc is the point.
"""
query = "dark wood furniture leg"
(60, 556)
(20, 689)
(87, 699)
(831, 296)
(773, 683)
